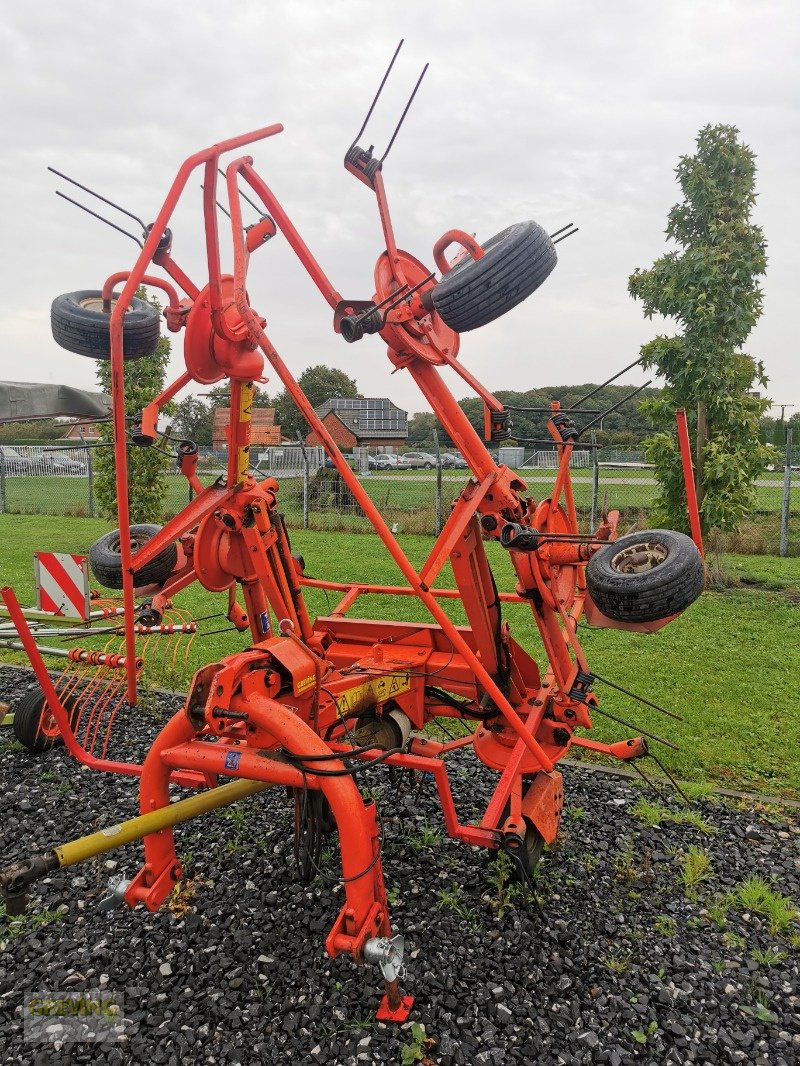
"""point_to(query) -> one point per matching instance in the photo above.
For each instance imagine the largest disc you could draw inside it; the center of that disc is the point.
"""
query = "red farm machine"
(309, 703)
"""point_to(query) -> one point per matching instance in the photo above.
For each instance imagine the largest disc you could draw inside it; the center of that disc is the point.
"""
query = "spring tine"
(377, 94)
(670, 778)
(405, 112)
(635, 728)
(650, 784)
(105, 200)
(560, 230)
(599, 388)
(639, 699)
(222, 208)
(94, 214)
(245, 197)
(619, 403)
(564, 237)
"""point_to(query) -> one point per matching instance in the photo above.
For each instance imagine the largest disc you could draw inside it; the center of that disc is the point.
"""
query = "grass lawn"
(728, 665)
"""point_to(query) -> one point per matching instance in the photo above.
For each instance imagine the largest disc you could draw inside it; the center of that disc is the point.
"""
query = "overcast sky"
(559, 112)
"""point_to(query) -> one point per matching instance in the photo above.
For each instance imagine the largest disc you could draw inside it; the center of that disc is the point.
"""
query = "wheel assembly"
(647, 576)
(79, 322)
(105, 558)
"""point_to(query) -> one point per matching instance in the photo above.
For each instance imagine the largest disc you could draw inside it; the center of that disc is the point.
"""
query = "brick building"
(262, 429)
(362, 423)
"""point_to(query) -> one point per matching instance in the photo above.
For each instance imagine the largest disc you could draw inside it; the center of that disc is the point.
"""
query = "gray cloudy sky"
(551, 111)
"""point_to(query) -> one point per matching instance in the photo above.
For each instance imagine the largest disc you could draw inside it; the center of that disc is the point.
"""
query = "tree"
(147, 486)
(319, 383)
(710, 287)
(193, 420)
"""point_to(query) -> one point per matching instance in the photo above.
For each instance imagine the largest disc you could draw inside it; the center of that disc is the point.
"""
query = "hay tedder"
(309, 703)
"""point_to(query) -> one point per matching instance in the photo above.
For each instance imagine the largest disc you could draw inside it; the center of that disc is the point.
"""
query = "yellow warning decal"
(376, 690)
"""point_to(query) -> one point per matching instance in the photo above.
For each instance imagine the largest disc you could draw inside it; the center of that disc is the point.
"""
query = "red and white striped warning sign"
(62, 584)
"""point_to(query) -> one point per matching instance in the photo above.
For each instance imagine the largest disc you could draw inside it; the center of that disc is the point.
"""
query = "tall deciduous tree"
(147, 486)
(319, 383)
(710, 287)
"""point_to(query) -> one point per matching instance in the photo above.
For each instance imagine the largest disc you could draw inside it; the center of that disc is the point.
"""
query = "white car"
(385, 461)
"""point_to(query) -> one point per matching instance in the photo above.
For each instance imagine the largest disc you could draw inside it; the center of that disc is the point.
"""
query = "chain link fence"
(58, 480)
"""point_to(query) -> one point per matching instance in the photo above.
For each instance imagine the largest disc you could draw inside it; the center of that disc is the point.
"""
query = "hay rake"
(310, 703)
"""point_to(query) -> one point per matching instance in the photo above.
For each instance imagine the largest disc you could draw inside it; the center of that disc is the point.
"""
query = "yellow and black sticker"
(304, 683)
(376, 690)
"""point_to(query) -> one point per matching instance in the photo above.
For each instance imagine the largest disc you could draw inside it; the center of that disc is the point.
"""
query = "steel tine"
(405, 112)
(377, 94)
(105, 200)
(94, 214)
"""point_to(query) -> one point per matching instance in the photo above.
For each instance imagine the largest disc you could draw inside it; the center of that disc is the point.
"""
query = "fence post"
(787, 492)
(595, 483)
(3, 501)
(305, 479)
(438, 519)
(89, 474)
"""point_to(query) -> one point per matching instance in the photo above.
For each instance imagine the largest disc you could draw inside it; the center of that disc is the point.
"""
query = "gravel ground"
(613, 963)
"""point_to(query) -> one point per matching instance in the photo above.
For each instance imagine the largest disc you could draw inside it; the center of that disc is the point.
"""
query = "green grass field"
(728, 665)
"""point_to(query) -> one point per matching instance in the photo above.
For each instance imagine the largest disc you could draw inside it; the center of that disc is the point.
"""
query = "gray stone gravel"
(615, 964)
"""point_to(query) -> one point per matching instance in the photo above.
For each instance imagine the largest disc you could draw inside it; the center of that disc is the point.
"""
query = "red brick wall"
(337, 429)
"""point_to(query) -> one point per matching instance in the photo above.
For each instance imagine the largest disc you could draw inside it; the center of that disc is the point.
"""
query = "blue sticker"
(264, 623)
(232, 760)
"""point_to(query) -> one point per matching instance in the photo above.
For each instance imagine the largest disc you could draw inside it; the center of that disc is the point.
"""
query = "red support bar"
(688, 479)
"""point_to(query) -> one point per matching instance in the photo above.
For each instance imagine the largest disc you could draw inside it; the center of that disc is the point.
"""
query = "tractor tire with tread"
(475, 291)
(647, 576)
(79, 324)
(34, 727)
(106, 561)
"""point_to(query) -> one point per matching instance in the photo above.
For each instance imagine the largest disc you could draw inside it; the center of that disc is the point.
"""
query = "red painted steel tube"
(688, 478)
(287, 228)
(135, 277)
(395, 590)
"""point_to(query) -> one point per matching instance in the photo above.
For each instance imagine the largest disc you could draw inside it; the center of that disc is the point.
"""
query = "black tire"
(477, 291)
(106, 561)
(427, 466)
(28, 727)
(646, 576)
(79, 324)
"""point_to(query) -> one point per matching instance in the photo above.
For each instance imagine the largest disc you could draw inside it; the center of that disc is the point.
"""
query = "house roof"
(373, 417)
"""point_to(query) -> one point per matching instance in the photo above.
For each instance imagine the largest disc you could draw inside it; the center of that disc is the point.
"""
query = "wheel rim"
(48, 727)
(639, 558)
(95, 304)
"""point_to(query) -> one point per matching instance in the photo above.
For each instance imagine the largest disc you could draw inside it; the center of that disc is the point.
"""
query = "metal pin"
(94, 214)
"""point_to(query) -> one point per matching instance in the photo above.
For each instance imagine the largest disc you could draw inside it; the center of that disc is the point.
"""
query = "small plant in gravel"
(12, 926)
(625, 864)
(641, 1036)
(417, 1050)
(768, 956)
(758, 896)
(426, 836)
(665, 925)
(616, 963)
(574, 814)
(454, 901)
(10, 747)
(733, 940)
(695, 869)
(656, 814)
(501, 879)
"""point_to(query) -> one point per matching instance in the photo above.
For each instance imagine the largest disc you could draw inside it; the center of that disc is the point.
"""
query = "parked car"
(14, 464)
(60, 464)
(419, 460)
(386, 461)
(453, 460)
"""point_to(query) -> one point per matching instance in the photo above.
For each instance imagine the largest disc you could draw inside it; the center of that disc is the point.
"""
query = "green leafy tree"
(147, 486)
(193, 420)
(710, 288)
(319, 383)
